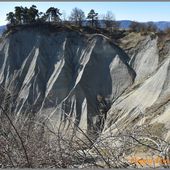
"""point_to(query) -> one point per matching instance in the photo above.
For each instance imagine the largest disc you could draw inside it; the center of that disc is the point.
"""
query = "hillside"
(72, 79)
(2, 29)
(61, 68)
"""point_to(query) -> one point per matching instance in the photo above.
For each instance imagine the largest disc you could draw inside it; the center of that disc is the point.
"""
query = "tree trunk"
(92, 22)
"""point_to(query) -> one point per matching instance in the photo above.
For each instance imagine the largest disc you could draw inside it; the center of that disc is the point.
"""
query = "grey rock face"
(147, 53)
(61, 74)
(144, 53)
(147, 103)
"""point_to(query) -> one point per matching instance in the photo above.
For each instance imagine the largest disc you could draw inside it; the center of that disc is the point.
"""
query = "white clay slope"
(64, 70)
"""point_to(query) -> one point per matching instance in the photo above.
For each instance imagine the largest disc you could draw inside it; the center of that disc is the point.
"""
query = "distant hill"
(124, 24)
(2, 29)
(162, 25)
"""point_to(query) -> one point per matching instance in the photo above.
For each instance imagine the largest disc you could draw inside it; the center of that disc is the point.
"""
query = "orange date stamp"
(157, 160)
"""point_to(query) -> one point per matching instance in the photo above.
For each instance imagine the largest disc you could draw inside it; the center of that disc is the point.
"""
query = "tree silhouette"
(18, 14)
(33, 13)
(53, 14)
(11, 18)
(25, 15)
(92, 15)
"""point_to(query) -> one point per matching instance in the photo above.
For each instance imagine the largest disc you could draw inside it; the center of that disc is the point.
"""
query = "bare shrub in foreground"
(27, 141)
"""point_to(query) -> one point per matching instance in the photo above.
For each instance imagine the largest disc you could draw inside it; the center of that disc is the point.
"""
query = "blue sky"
(138, 11)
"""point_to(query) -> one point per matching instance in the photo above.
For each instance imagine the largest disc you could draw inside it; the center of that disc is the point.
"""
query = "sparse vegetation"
(77, 16)
(31, 141)
(110, 22)
(26, 16)
(143, 27)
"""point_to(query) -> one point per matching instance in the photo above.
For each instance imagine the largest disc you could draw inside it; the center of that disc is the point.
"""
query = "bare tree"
(110, 22)
(108, 19)
(77, 16)
(64, 16)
